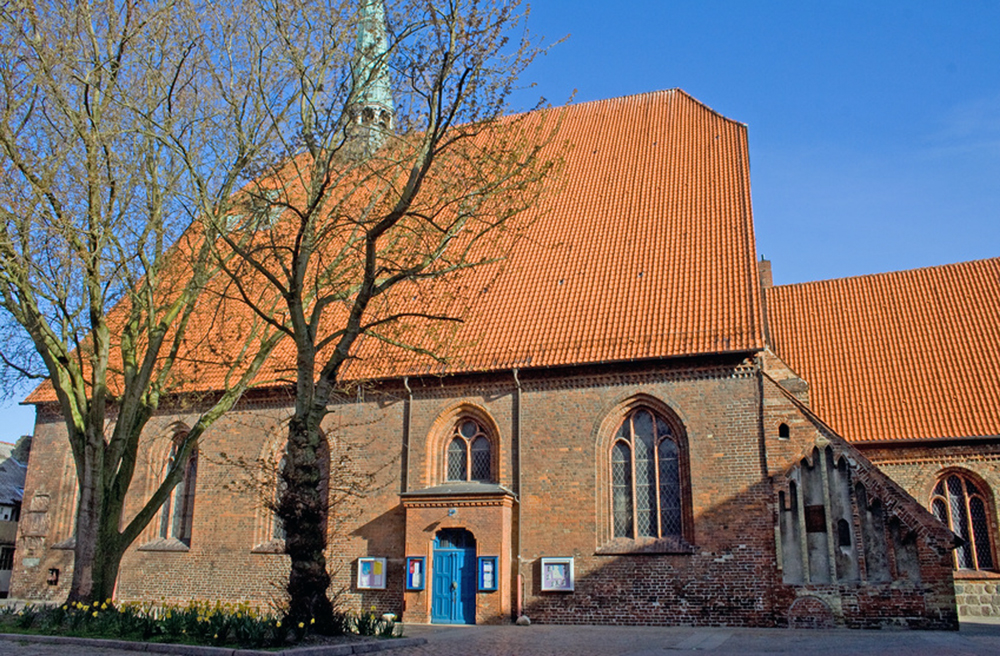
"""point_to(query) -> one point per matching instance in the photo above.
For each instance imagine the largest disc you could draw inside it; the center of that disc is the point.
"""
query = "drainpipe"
(517, 490)
(405, 456)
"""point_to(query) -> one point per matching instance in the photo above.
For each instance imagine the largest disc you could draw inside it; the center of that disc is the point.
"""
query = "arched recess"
(444, 431)
(269, 534)
(172, 526)
(965, 503)
(611, 454)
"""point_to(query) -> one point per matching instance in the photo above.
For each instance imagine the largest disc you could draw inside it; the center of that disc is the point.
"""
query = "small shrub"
(239, 625)
(27, 616)
(387, 628)
(366, 623)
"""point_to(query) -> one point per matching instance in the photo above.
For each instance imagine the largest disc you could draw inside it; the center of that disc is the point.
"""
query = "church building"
(633, 426)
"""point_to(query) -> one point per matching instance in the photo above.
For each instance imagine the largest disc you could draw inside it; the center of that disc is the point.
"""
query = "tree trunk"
(303, 510)
(87, 540)
(98, 550)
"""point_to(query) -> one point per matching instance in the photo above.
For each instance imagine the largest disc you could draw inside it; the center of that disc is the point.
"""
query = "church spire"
(371, 112)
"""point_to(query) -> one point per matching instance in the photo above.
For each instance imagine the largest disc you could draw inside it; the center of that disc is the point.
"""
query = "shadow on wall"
(845, 559)
(383, 535)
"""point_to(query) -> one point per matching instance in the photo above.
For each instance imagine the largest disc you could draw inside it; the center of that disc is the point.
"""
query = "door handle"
(454, 585)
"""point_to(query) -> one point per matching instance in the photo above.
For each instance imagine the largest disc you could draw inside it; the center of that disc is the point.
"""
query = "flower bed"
(199, 623)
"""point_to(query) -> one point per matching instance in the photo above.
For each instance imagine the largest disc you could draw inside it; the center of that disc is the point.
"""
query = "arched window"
(470, 453)
(645, 479)
(961, 503)
(177, 514)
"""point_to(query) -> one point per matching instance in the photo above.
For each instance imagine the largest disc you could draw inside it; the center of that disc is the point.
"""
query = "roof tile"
(643, 248)
(897, 356)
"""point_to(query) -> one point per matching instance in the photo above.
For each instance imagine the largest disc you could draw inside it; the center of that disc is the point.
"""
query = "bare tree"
(126, 126)
(401, 174)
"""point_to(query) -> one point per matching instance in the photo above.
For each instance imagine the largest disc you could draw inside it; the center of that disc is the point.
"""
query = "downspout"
(519, 610)
(405, 456)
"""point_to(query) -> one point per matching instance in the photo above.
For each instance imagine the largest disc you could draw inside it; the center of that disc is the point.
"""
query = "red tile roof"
(646, 251)
(897, 356)
(643, 248)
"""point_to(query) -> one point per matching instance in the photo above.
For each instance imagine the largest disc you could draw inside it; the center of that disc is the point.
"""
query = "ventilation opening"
(783, 432)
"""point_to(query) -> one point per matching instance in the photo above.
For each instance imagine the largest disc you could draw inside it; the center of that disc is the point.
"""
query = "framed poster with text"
(415, 572)
(371, 573)
(557, 575)
(487, 573)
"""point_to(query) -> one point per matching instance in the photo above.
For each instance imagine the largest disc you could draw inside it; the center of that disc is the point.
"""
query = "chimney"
(764, 270)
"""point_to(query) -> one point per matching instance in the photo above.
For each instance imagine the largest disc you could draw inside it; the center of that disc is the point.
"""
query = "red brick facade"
(548, 496)
(919, 467)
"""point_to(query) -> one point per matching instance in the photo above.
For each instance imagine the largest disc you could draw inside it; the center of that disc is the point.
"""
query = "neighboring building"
(906, 365)
(612, 439)
(13, 467)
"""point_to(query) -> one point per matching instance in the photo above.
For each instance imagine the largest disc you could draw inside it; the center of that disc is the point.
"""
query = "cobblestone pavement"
(645, 641)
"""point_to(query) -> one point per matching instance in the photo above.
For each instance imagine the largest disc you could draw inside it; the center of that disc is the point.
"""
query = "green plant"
(27, 616)
(366, 623)
(387, 627)
(55, 617)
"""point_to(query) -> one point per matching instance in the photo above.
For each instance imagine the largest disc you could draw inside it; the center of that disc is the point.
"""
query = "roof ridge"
(881, 274)
(634, 96)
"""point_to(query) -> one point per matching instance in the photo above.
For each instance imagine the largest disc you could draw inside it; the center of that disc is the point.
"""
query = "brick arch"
(268, 459)
(605, 431)
(810, 612)
(966, 469)
(157, 460)
(440, 435)
(989, 497)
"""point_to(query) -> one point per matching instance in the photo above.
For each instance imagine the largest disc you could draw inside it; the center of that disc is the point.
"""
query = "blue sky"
(874, 126)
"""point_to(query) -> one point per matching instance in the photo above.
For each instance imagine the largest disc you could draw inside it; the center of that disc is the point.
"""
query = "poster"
(415, 573)
(557, 574)
(371, 573)
(487, 573)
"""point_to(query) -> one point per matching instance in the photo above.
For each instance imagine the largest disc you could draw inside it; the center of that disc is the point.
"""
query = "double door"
(453, 591)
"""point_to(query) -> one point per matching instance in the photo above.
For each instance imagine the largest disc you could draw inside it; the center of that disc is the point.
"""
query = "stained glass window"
(958, 502)
(177, 513)
(456, 460)
(645, 479)
(470, 453)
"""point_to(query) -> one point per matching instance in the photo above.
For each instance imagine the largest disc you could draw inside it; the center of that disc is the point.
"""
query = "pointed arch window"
(645, 479)
(470, 453)
(963, 505)
(177, 513)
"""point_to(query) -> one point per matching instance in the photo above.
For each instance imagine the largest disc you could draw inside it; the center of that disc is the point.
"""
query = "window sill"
(624, 546)
(165, 544)
(275, 546)
(69, 544)
(974, 574)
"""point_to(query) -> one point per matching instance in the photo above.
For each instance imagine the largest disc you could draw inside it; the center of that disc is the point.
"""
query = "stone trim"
(644, 546)
(165, 544)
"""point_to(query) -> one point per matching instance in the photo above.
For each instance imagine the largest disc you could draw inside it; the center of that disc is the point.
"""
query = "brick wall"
(556, 432)
(918, 468)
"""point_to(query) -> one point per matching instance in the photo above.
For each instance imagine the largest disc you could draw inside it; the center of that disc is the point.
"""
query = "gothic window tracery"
(177, 513)
(645, 478)
(469, 453)
(962, 504)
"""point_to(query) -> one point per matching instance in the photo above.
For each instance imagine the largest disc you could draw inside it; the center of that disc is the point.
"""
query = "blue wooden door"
(453, 588)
